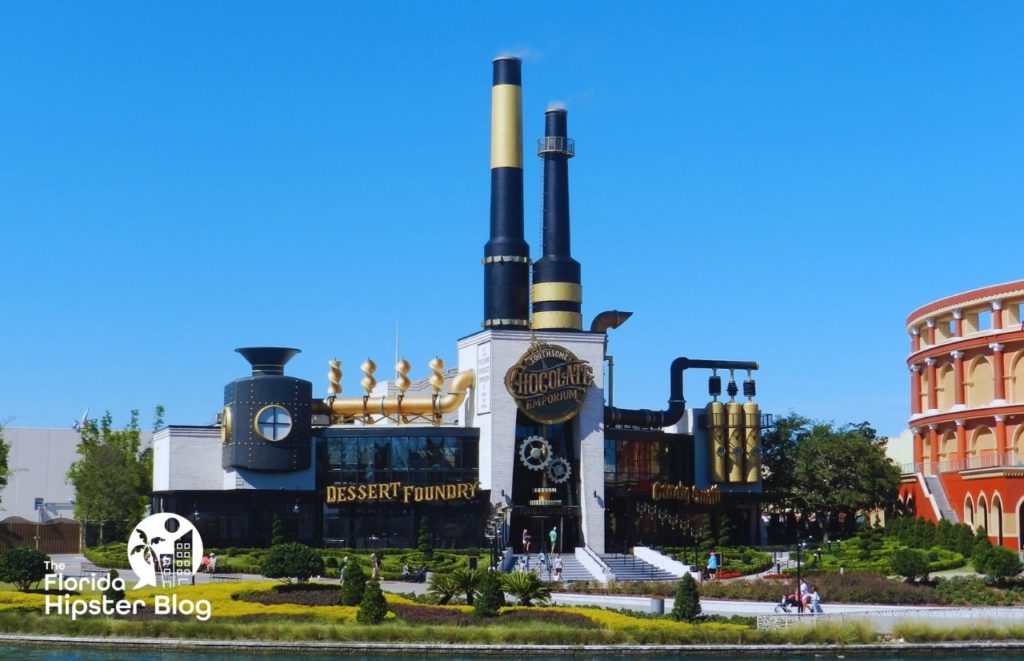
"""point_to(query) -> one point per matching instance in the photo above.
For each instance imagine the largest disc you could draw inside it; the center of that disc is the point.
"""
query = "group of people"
(805, 597)
(528, 539)
(553, 567)
(419, 577)
(208, 564)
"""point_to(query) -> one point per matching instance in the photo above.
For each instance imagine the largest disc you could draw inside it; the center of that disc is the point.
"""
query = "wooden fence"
(56, 536)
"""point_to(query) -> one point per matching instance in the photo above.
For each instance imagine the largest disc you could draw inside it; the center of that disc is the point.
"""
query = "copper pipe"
(366, 406)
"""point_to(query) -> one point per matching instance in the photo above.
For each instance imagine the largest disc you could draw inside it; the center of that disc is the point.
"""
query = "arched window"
(947, 449)
(1017, 447)
(969, 512)
(924, 389)
(980, 384)
(982, 514)
(1016, 389)
(983, 444)
(947, 388)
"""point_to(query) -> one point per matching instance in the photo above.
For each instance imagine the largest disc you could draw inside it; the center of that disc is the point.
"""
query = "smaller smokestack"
(268, 361)
(557, 292)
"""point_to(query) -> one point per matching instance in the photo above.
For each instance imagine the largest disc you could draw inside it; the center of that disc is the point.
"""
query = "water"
(82, 654)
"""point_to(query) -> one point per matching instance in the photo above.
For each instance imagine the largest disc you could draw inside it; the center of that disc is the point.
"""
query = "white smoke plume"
(523, 53)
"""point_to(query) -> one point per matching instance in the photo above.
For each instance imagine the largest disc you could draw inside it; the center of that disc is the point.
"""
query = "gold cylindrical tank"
(752, 444)
(734, 435)
(715, 424)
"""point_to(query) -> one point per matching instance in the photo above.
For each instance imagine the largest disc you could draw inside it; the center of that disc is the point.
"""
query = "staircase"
(939, 494)
(572, 570)
(630, 568)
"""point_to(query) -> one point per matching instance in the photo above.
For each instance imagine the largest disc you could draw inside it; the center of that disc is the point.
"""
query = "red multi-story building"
(967, 412)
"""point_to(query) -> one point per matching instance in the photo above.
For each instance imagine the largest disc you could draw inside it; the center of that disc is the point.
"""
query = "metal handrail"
(988, 460)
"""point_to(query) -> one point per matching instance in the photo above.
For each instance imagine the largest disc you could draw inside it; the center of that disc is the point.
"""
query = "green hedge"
(109, 555)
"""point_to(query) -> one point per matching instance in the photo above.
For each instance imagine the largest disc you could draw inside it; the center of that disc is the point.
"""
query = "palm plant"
(526, 587)
(442, 587)
(466, 580)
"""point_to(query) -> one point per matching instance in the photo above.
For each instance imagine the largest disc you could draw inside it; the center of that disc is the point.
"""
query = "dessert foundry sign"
(549, 383)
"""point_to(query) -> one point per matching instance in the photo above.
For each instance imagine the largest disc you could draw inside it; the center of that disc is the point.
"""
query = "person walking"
(553, 536)
(815, 601)
(376, 566)
(557, 566)
(526, 541)
(712, 564)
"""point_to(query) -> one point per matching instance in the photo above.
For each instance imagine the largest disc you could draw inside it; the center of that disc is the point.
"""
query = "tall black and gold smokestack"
(557, 293)
(507, 255)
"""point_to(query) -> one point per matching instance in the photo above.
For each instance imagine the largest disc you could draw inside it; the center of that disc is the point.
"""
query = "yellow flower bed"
(219, 595)
(622, 622)
(11, 600)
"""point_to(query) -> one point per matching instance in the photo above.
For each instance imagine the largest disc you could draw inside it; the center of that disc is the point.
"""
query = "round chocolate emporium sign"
(549, 383)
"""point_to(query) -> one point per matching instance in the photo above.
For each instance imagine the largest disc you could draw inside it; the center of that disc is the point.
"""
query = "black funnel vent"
(269, 361)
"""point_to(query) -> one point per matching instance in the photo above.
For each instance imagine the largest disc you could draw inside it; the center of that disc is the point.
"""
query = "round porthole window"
(225, 425)
(273, 423)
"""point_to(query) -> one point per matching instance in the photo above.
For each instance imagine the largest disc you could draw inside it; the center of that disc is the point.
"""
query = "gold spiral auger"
(368, 382)
(402, 382)
(436, 374)
(334, 376)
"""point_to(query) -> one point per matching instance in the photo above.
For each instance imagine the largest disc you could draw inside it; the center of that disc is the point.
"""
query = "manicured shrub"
(110, 593)
(353, 583)
(372, 607)
(965, 591)
(277, 532)
(293, 560)
(998, 562)
(687, 604)
(114, 554)
(490, 595)
(426, 546)
(910, 564)
(23, 567)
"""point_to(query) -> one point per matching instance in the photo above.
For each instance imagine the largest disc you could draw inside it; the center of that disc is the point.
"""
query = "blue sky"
(780, 182)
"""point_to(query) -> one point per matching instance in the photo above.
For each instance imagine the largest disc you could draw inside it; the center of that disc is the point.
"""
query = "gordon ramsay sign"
(549, 383)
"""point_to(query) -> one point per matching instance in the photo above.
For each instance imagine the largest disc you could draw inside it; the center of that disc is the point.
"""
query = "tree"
(294, 560)
(425, 545)
(23, 567)
(997, 562)
(910, 564)
(687, 603)
(113, 477)
(526, 587)
(5, 451)
(353, 583)
(818, 468)
(277, 532)
(844, 469)
(490, 595)
(778, 455)
(372, 608)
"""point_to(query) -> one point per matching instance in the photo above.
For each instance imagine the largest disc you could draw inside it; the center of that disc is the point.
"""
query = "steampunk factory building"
(519, 437)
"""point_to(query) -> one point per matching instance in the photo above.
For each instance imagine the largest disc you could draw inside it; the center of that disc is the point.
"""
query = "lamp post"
(799, 547)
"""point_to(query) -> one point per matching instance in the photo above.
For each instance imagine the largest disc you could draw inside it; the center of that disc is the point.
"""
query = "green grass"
(922, 632)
